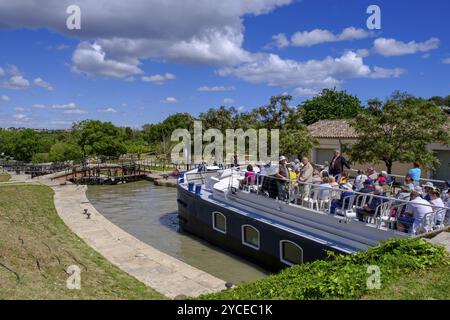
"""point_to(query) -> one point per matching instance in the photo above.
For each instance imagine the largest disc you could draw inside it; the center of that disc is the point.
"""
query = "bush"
(342, 276)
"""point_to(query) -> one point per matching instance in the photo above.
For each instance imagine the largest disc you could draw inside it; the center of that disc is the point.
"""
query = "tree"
(400, 132)
(63, 151)
(100, 138)
(25, 144)
(330, 104)
(296, 143)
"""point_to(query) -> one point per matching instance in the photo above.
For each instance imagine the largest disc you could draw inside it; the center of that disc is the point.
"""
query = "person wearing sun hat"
(282, 176)
(427, 189)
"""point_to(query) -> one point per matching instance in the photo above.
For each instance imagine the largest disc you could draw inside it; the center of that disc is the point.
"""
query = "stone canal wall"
(156, 269)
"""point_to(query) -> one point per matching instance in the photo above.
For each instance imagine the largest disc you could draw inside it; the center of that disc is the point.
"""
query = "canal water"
(149, 213)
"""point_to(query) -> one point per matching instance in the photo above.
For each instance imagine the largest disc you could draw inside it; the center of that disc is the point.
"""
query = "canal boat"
(248, 220)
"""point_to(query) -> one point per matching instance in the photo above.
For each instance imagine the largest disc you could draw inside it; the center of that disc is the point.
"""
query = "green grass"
(410, 268)
(4, 177)
(427, 284)
(36, 248)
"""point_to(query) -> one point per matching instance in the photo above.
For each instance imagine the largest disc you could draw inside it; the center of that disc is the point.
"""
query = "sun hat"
(417, 189)
(282, 158)
(429, 184)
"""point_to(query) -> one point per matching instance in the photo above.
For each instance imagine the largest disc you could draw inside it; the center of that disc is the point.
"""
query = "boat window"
(290, 253)
(250, 236)
(219, 222)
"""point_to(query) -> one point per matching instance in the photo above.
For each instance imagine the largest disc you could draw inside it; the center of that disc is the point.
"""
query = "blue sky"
(137, 64)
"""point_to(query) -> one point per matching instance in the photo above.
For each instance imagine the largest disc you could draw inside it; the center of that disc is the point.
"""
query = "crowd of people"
(299, 179)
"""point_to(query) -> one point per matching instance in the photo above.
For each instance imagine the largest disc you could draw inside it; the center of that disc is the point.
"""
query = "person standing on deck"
(415, 173)
(306, 176)
(337, 164)
(282, 176)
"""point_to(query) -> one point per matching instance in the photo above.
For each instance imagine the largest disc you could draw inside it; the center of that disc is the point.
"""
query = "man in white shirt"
(438, 206)
(415, 213)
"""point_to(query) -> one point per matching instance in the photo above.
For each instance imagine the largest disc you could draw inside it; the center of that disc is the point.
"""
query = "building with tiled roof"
(332, 134)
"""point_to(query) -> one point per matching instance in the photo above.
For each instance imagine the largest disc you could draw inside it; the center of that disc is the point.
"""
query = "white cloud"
(169, 100)
(317, 36)
(19, 109)
(191, 31)
(216, 88)
(363, 53)
(75, 111)
(228, 101)
(67, 106)
(158, 78)
(4, 98)
(304, 92)
(392, 47)
(2, 72)
(381, 73)
(21, 117)
(280, 40)
(90, 59)
(310, 76)
(107, 110)
(39, 82)
(16, 82)
(446, 61)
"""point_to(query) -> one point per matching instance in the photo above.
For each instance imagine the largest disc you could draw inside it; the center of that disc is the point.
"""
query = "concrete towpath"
(156, 269)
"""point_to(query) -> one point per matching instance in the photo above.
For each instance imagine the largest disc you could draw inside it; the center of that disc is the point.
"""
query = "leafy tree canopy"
(330, 104)
(400, 131)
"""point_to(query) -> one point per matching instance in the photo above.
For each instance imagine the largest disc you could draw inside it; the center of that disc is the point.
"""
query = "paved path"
(442, 239)
(158, 270)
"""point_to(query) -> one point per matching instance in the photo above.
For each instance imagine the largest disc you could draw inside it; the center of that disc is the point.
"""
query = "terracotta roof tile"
(332, 129)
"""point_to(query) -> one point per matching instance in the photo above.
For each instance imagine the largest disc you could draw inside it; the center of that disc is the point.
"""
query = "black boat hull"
(195, 215)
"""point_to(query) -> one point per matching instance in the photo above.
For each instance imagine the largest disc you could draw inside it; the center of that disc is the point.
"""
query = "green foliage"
(25, 144)
(155, 133)
(296, 143)
(40, 158)
(330, 104)
(400, 130)
(63, 151)
(98, 138)
(342, 276)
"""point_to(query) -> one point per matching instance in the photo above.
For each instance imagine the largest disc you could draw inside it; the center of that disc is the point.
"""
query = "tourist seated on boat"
(447, 214)
(409, 182)
(333, 182)
(438, 205)
(428, 188)
(359, 180)
(371, 173)
(404, 193)
(368, 186)
(413, 217)
(347, 192)
(344, 178)
(249, 177)
(445, 193)
(369, 209)
(325, 188)
(382, 182)
(324, 170)
(282, 179)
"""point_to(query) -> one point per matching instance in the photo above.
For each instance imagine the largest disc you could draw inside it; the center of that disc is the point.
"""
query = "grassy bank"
(36, 249)
(4, 177)
(410, 269)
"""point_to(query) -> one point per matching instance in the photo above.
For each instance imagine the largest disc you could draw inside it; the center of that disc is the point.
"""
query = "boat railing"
(334, 200)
